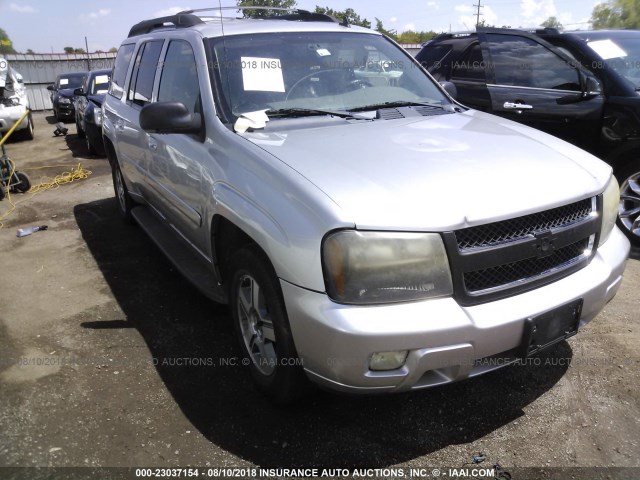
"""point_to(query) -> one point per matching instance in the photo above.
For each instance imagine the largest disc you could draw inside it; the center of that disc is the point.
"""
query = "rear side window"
(470, 66)
(144, 72)
(120, 70)
(523, 62)
(431, 57)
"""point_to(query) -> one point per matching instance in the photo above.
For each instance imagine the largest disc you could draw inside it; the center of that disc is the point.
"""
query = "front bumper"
(10, 115)
(445, 341)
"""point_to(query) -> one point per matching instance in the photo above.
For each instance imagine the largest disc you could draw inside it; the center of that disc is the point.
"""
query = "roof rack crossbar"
(295, 14)
(179, 20)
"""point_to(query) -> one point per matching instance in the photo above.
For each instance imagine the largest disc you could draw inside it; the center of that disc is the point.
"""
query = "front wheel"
(629, 209)
(262, 326)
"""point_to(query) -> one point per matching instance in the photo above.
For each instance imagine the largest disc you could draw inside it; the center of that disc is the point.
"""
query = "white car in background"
(13, 102)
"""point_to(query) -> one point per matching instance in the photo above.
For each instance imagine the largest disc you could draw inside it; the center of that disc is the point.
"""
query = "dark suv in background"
(579, 86)
(62, 94)
(88, 102)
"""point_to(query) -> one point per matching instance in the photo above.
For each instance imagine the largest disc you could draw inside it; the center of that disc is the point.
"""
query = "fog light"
(382, 361)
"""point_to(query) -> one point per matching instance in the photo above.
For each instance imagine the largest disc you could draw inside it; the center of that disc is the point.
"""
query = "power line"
(478, 14)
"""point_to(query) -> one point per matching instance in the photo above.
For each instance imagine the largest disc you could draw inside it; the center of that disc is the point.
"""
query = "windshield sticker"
(102, 79)
(323, 52)
(64, 81)
(262, 74)
(607, 49)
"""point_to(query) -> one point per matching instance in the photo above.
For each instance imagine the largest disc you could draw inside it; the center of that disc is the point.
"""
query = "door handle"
(517, 106)
(120, 124)
(153, 145)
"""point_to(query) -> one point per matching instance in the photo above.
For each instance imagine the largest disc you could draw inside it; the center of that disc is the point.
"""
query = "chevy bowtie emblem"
(544, 243)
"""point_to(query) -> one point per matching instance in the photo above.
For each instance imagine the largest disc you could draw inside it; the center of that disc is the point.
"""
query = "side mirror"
(592, 88)
(50, 87)
(169, 117)
(450, 88)
(79, 92)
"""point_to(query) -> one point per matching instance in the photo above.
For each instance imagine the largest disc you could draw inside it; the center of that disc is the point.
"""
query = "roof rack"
(295, 14)
(189, 18)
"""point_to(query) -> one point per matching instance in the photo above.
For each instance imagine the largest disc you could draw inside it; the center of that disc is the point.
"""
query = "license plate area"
(549, 328)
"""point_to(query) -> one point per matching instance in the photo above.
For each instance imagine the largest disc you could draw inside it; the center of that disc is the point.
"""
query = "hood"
(66, 92)
(435, 173)
(97, 99)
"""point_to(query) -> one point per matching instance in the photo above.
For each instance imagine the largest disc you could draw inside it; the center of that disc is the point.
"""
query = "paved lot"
(109, 358)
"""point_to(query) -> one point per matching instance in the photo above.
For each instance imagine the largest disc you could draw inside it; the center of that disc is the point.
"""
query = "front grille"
(525, 269)
(504, 258)
(521, 227)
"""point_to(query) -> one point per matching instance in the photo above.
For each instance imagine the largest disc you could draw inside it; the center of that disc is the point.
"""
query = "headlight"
(64, 100)
(610, 204)
(384, 267)
(97, 116)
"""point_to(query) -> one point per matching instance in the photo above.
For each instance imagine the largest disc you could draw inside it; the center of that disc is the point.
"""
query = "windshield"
(620, 54)
(72, 81)
(318, 70)
(99, 84)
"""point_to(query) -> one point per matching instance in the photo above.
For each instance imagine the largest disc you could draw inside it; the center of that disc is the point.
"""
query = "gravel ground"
(109, 358)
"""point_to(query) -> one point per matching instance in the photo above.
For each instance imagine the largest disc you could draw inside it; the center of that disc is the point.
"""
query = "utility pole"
(478, 14)
(86, 44)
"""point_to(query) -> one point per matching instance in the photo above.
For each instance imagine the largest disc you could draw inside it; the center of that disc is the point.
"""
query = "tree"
(380, 28)
(348, 15)
(552, 22)
(30, 52)
(264, 3)
(68, 49)
(113, 50)
(616, 14)
(6, 46)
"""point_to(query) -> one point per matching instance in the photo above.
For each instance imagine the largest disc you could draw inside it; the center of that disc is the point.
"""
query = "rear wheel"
(125, 204)
(629, 209)
(262, 326)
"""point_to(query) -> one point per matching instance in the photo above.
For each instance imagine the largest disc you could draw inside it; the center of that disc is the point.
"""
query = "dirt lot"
(109, 358)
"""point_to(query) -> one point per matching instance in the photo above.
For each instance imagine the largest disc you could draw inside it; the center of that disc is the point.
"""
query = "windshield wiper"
(308, 112)
(398, 103)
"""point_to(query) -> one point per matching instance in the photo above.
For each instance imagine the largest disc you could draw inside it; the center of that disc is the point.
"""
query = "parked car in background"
(62, 94)
(581, 86)
(369, 233)
(13, 102)
(88, 107)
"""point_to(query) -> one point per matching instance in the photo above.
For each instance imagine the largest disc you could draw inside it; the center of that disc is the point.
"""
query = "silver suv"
(369, 233)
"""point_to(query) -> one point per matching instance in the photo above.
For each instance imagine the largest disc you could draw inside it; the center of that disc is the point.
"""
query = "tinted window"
(431, 56)
(144, 72)
(522, 62)
(179, 80)
(470, 66)
(120, 69)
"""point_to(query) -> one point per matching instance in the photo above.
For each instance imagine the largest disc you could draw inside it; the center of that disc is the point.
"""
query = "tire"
(79, 130)
(23, 183)
(90, 148)
(629, 209)
(261, 324)
(27, 133)
(125, 204)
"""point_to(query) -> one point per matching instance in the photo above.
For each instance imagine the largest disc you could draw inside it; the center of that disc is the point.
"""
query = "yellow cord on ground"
(78, 172)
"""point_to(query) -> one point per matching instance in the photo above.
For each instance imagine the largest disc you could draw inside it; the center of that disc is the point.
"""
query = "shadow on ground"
(326, 430)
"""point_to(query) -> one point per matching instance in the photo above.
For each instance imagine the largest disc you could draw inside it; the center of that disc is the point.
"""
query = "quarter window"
(120, 70)
(523, 62)
(470, 66)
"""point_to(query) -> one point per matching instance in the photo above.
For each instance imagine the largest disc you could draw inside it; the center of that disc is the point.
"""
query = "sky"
(46, 26)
